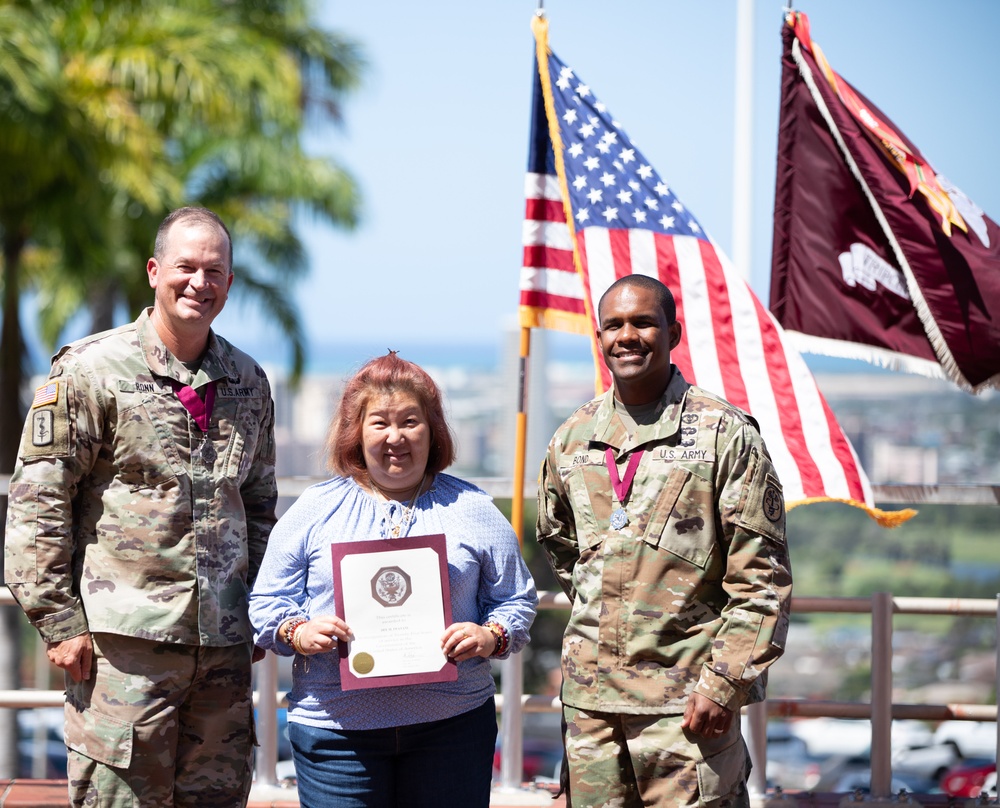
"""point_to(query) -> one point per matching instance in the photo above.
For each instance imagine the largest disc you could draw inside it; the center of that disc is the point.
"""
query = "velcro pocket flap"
(664, 507)
(722, 774)
(100, 737)
(762, 502)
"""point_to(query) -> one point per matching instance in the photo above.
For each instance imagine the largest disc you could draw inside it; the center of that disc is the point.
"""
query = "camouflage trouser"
(630, 761)
(160, 725)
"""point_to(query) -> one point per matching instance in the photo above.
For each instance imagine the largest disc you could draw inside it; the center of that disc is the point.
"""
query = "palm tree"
(201, 102)
(111, 114)
(253, 173)
(63, 142)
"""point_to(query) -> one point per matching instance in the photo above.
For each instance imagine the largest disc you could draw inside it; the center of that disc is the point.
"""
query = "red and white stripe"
(733, 347)
(731, 344)
(552, 294)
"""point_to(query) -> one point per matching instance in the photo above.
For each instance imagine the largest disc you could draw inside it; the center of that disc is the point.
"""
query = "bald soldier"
(663, 520)
(139, 511)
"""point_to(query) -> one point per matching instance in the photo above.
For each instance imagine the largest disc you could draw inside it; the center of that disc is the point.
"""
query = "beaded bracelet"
(501, 637)
(289, 630)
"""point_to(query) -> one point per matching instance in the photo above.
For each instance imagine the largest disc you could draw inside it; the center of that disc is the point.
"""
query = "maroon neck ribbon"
(621, 486)
(201, 411)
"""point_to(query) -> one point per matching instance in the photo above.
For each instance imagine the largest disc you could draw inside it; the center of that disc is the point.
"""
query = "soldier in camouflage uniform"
(663, 520)
(139, 512)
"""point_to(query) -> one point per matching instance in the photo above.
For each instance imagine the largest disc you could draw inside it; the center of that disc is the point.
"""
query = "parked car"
(542, 746)
(285, 768)
(968, 779)
(926, 765)
(972, 738)
(861, 781)
(845, 773)
(790, 764)
(284, 744)
(40, 733)
(542, 760)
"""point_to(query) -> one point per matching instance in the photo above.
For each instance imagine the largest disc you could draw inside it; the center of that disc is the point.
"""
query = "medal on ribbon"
(621, 485)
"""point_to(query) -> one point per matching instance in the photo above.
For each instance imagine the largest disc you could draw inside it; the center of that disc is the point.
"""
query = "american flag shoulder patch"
(45, 395)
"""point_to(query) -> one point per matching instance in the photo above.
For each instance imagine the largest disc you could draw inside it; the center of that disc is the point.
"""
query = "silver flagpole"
(742, 139)
(755, 728)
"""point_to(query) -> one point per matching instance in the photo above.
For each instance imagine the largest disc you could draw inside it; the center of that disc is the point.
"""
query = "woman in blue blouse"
(414, 745)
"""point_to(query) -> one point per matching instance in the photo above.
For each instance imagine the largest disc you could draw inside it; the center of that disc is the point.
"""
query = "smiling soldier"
(139, 512)
(663, 520)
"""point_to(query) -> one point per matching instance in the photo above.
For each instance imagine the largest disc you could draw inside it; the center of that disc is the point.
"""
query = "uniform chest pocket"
(239, 420)
(139, 453)
(590, 492)
(683, 517)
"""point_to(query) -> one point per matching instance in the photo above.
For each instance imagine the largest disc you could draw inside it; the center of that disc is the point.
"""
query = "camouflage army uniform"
(127, 522)
(691, 595)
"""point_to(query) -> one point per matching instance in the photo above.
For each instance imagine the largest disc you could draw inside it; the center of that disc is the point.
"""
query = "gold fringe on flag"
(884, 518)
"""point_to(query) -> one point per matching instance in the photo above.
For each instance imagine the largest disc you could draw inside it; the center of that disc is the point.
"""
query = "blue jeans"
(447, 762)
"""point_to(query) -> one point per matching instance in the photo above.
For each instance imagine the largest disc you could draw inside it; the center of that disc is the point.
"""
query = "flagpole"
(512, 674)
(520, 437)
(756, 725)
(742, 140)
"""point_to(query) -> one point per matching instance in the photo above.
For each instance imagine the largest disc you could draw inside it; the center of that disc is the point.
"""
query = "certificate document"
(395, 597)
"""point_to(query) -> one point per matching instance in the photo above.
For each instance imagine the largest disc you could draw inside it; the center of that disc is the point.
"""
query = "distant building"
(893, 464)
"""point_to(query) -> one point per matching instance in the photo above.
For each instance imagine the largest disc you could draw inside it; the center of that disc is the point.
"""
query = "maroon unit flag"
(597, 211)
(876, 256)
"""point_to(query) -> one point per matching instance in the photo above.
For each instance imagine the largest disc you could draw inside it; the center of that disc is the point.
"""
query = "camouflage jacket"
(123, 517)
(692, 593)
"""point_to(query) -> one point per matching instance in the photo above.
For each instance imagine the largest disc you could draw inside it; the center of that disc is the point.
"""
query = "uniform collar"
(216, 364)
(610, 431)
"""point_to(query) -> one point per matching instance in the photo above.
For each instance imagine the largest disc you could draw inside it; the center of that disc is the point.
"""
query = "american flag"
(47, 394)
(552, 294)
(595, 192)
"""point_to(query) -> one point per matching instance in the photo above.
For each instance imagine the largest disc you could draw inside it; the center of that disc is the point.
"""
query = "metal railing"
(512, 702)
(881, 710)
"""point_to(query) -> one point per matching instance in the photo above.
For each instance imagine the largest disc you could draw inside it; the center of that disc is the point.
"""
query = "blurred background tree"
(114, 113)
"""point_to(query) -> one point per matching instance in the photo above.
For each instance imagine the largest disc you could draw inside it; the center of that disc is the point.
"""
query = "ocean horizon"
(328, 357)
(333, 358)
(340, 357)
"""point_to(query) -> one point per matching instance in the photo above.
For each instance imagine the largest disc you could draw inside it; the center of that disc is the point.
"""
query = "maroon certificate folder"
(395, 597)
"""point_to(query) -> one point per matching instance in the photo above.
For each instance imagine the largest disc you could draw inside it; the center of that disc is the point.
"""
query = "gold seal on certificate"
(363, 663)
(394, 594)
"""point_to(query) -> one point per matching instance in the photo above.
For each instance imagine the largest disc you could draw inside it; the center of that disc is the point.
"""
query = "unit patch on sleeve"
(42, 433)
(774, 507)
(47, 433)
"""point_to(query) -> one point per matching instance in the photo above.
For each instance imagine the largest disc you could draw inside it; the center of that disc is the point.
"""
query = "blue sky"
(437, 137)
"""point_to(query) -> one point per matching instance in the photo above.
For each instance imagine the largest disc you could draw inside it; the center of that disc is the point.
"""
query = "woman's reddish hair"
(377, 378)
